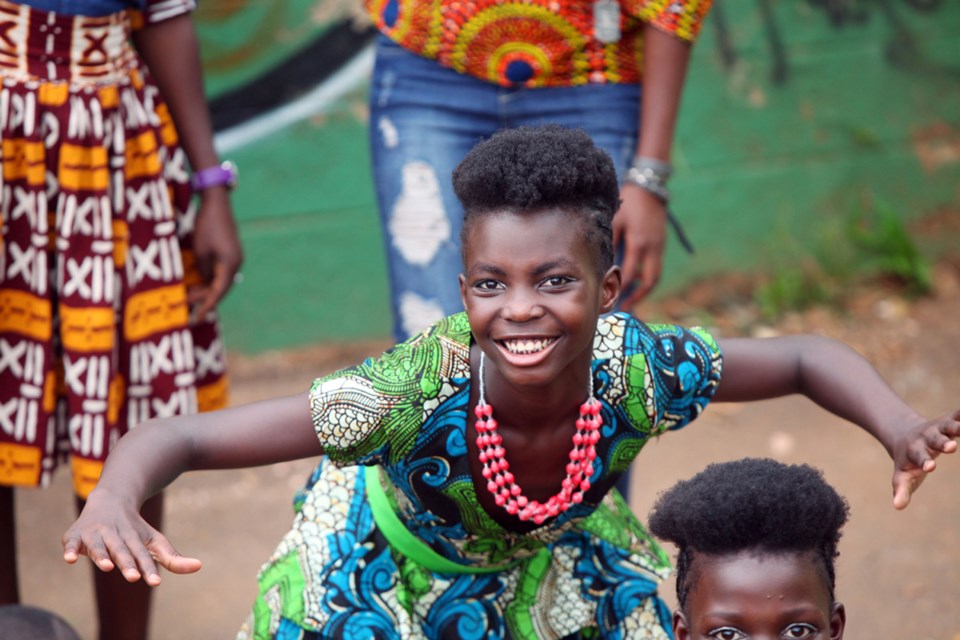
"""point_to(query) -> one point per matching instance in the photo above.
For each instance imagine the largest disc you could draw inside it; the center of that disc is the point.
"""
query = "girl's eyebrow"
(486, 269)
(540, 269)
(559, 263)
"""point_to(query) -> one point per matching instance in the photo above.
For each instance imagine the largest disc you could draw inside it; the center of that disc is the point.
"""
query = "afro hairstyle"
(529, 169)
(754, 504)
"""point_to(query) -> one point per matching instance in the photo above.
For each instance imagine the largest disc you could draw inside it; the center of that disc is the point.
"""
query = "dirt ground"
(899, 572)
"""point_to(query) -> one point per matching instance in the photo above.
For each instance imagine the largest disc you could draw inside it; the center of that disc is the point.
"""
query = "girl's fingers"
(904, 484)
(72, 547)
(120, 557)
(163, 553)
(97, 551)
(144, 566)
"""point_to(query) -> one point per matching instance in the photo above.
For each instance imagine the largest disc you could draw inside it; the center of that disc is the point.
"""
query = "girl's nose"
(521, 307)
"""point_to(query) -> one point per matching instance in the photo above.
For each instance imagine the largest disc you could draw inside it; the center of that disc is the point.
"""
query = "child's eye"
(800, 630)
(488, 285)
(727, 633)
(556, 281)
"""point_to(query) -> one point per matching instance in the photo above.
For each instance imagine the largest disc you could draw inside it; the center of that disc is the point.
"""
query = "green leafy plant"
(870, 243)
(886, 249)
(791, 290)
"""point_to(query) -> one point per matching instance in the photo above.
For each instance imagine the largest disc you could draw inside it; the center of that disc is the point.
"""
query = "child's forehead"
(759, 567)
(520, 218)
(530, 230)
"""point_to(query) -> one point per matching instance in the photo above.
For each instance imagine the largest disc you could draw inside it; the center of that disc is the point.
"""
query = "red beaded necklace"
(496, 469)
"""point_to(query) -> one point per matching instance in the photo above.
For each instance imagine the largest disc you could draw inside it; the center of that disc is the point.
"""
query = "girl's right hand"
(114, 535)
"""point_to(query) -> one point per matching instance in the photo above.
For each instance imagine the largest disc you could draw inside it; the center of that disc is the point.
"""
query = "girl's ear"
(838, 620)
(463, 289)
(680, 629)
(610, 287)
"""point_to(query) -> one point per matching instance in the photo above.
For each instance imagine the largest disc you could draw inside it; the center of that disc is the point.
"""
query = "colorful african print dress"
(536, 43)
(95, 237)
(592, 571)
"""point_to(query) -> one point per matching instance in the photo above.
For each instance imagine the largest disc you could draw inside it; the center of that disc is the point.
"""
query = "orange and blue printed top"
(536, 43)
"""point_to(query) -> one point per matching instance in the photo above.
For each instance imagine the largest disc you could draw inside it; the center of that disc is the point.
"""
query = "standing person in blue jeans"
(449, 74)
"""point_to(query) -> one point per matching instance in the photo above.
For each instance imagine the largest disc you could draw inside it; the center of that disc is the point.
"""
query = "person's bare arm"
(171, 52)
(641, 222)
(841, 381)
(147, 459)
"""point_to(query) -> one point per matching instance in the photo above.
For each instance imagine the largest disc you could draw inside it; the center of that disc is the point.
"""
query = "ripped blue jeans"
(424, 118)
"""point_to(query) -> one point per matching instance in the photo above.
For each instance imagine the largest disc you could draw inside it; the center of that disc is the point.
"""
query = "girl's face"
(532, 293)
(747, 596)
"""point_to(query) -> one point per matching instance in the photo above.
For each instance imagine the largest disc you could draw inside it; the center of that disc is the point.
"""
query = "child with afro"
(757, 541)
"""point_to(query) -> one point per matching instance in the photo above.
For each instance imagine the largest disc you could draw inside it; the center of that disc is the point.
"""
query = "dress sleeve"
(159, 10)
(682, 18)
(372, 413)
(685, 366)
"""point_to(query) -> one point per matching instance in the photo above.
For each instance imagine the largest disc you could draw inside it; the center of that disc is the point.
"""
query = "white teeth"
(527, 346)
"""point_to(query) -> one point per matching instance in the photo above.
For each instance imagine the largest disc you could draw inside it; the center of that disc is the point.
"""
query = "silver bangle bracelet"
(650, 181)
(659, 167)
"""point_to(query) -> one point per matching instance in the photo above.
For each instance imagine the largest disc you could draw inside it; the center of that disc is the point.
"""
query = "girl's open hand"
(914, 455)
(115, 536)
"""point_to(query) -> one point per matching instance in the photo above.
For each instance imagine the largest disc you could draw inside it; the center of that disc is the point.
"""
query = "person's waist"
(405, 543)
(52, 46)
(90, 8)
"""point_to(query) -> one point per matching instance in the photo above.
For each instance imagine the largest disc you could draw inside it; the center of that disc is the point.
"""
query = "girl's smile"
(533, 294)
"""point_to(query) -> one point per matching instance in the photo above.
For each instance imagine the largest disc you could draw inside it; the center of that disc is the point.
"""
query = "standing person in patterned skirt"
(109, 271)
(467, 490)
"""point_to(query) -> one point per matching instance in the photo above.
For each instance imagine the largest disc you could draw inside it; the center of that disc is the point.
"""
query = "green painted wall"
(770, 149)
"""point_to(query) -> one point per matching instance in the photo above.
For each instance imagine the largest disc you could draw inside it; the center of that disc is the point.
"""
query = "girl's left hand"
(914, 455)
(216, 246)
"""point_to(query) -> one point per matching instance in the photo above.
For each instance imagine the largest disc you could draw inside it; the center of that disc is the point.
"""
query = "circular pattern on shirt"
(506, 48)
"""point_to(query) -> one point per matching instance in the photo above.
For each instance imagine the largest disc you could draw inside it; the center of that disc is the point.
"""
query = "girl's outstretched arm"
(841, 381)
(147, 459)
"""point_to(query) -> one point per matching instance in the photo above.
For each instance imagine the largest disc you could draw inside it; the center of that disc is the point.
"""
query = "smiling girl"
(466, 486)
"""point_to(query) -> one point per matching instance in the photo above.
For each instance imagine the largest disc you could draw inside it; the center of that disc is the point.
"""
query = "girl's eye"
(556, 281)
(727, 633)
(488, 285)
(800, 630)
